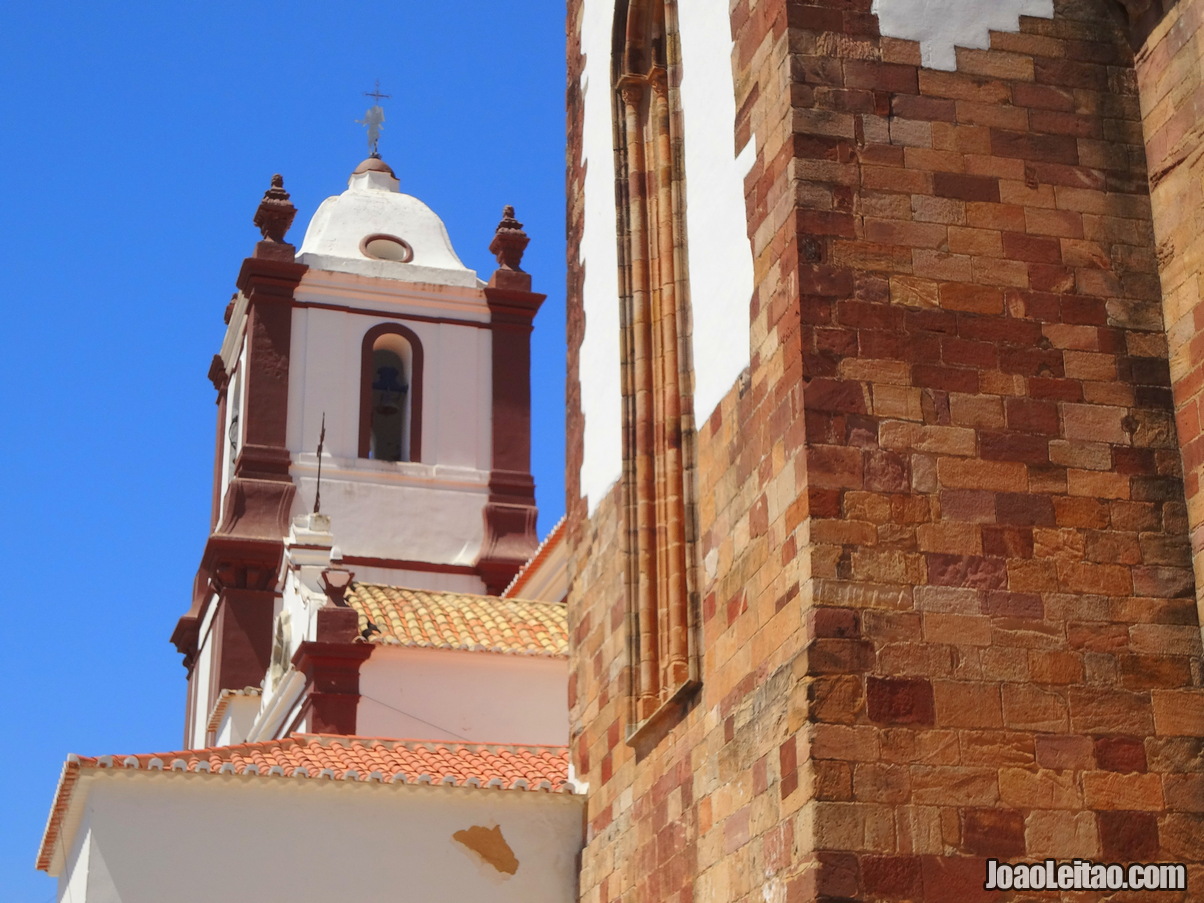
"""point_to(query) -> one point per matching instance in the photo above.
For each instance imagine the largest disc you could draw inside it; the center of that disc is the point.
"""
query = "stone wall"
(946, 598)
(1170, 72)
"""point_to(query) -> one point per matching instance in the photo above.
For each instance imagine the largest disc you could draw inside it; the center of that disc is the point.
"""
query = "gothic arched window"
(391, 394)
(657, 376)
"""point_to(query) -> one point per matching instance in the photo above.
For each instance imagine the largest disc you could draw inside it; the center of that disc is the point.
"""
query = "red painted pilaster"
(241, 561)
(332, 678)
(510, 514)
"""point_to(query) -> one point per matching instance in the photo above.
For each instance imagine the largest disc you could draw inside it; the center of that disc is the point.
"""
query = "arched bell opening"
(391, 394)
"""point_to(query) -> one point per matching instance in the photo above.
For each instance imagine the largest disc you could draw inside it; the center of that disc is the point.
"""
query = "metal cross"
(375, 93)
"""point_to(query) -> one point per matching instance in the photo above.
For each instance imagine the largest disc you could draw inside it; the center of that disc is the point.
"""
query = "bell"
(388, 392)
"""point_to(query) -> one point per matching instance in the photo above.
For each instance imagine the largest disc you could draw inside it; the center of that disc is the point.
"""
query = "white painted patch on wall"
(598, 370)
(721, 265)
(720, 257)
(942, 25)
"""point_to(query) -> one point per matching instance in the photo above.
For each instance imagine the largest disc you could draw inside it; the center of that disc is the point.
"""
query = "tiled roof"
(322, 757)
(549, 545)
(396, 616)
(365, 759)
(223, 703)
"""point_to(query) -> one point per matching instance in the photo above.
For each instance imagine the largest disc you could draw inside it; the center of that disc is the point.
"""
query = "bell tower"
(375, 340)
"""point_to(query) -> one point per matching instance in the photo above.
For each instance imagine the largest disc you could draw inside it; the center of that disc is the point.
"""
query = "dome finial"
(374, 119)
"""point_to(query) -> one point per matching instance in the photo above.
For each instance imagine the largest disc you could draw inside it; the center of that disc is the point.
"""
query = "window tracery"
(657, 378)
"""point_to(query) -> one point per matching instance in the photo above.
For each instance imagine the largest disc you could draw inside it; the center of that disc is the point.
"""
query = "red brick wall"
(946, 602)
(1170, 73)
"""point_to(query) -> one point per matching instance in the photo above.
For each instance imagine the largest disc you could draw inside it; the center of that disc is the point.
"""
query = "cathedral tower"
(373, 396)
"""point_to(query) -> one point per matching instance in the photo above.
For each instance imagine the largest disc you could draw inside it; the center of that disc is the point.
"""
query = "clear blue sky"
(137, 141)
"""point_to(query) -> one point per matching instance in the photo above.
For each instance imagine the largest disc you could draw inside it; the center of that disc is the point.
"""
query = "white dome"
(372, 229)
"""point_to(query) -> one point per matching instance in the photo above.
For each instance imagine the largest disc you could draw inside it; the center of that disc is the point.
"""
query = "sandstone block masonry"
(947, 607)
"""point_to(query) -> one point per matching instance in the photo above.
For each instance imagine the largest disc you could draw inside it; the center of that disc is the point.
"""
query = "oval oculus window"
(387, 247)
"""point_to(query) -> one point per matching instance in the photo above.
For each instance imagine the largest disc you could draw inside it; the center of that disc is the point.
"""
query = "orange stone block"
(1129, 792)
(1004, 476)
(1039, 789)
(980, 299)
(1031, 708)
(975, 241)
(1061, 752)
(1178, 712)
(958, 630)
(1085, 577)
(954, 786)
(1061, 835)
(964, 704)
(1095, 710)
(995, 748)
(844, 742)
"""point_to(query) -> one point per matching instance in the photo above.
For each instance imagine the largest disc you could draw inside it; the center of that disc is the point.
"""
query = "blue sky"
(138, 139)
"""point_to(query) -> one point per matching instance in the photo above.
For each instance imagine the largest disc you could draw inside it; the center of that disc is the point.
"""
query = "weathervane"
(374, 118)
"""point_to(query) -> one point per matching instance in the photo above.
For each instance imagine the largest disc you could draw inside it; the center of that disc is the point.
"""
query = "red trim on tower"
(241, 561)
(510, 512)
(332, 684)
(242, 631)
(269, 286)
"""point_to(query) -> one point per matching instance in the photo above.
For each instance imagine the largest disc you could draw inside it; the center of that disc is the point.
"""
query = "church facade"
(884, 523)
(370, 702)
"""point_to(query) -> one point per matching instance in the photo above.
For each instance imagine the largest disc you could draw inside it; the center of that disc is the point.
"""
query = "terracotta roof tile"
(396, 616)
(338, 758)
(223, 702)
(356, 758)
(549, 544)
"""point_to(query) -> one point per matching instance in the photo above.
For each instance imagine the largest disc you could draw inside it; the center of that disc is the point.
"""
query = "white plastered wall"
(439, 694)
(943, 25)
(598, 370)
(429, 510)
(299, 604)
(721, 266)
(235, 403)
(719, 254)
(420, 579)
(73, 882)
(295, 622)
(149, 837)
(202, 676)
(236, 721)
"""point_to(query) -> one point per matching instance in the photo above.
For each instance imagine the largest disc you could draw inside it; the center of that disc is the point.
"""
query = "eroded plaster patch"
(942, 25)
(490, 845)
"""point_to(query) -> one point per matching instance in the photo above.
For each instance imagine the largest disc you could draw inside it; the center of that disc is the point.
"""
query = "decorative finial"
(374, 118)
(510, 241)
(275, 213)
